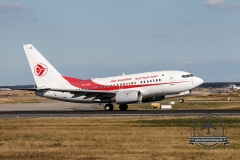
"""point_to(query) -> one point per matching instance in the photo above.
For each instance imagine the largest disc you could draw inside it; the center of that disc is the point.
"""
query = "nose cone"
(198, 81)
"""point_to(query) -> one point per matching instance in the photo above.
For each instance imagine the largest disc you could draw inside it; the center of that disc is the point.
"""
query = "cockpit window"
(188, 75)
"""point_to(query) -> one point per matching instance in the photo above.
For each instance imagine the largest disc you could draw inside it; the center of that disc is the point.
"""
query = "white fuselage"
(150, 84)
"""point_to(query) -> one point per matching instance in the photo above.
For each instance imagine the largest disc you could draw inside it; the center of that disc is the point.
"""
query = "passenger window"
(134, 82)
(156, 80)
(153, 80)
(150, 80)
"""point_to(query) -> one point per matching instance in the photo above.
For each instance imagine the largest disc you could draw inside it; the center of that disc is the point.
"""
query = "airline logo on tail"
(40, 69)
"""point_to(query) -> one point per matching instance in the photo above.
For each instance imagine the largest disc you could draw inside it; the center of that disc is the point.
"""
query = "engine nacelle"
(152, 99)
(125, 97)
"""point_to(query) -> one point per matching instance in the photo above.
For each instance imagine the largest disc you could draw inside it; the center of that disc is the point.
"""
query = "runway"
(102, 113)
(66, 109)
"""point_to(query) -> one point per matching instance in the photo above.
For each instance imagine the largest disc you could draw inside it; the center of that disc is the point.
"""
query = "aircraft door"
(171, 79)
(64, 95)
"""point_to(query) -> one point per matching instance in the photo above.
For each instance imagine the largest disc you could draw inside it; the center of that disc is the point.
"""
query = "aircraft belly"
(159, 90)
(177, 88)
(153, 91)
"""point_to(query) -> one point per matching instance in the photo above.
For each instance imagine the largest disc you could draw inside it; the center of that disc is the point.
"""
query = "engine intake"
(125, 97)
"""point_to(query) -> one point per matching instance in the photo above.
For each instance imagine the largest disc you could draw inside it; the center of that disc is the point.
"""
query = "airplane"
(123, 89)
(235, 87)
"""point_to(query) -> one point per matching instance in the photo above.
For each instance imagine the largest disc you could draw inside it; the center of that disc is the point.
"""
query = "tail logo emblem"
(40, 69)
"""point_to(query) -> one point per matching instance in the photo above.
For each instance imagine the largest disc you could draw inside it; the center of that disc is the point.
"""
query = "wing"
(88, 93)
(78, 92)
(31, 89)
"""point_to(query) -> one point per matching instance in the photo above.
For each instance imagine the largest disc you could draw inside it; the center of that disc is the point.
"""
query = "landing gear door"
(171, 79)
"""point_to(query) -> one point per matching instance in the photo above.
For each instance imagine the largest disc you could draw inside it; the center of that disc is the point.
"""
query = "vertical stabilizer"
(45, 75)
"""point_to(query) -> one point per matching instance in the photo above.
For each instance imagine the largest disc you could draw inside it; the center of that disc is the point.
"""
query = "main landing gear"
(181, 100)
(123, 107)
(109, 107)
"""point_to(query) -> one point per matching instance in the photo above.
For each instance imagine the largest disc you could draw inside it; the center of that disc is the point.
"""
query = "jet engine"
(125, 97)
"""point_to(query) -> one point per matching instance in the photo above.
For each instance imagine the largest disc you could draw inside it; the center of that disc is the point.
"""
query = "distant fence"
(18, 86)
(218, 84)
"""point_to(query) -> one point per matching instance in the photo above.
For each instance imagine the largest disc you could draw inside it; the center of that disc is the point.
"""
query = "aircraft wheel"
(123, 107)
(181, 100)
(108, 107)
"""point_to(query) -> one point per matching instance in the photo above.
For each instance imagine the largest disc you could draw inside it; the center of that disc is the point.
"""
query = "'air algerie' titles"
(136, 78)
(120, 80)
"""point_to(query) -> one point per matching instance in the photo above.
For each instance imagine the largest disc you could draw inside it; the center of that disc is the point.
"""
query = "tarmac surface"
(65, 109)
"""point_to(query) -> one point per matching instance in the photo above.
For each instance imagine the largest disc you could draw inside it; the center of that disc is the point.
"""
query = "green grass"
(109, 138)
(186, 105)
(207, 105)
(180, 122)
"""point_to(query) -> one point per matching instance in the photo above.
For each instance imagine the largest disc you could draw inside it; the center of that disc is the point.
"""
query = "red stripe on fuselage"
(90, 85)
